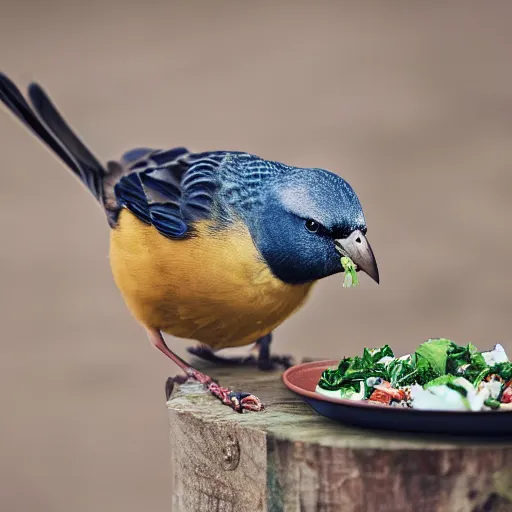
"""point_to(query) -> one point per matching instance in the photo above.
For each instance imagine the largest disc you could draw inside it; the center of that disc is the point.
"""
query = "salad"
(439, 375)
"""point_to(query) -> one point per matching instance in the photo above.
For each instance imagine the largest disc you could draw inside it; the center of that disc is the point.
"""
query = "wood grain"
(291, 459)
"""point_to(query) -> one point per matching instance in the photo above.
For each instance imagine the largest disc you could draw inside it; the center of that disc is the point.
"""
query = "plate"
(303, 379)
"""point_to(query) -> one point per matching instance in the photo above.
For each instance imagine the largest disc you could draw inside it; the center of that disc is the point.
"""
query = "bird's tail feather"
(51, 128)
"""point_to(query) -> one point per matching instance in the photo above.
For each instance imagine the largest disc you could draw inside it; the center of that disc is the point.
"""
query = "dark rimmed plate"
(303, 379)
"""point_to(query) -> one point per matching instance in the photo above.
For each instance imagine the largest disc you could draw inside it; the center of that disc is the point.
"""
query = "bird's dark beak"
(357, 248)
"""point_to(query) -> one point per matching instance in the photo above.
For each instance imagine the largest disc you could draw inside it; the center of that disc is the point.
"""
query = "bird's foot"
(259, 356)
(237, 400)
(276, 361)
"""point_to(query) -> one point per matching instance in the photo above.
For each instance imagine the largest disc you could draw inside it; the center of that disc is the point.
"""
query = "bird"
(218, 247)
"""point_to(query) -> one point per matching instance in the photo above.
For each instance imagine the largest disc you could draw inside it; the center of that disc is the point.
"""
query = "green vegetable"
(477, 369)
(376, 354)
(349, 267)
(331, 379)
(466, 362)
(350, 388)
(352, 371)
(504, 370)
(477, 378)
(425, 372)
(435, 352)
(458, 356)
(401, 373)
(492, 403)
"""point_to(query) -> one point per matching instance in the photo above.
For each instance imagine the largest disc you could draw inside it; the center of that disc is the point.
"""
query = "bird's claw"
(241, 402)
(246, 401)
(237, 400)
(285, 361)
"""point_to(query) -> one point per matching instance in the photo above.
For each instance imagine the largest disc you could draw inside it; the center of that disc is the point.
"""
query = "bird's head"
(308, 219)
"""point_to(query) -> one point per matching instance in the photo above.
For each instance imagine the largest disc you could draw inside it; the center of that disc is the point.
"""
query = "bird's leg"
(259, 356)
(237, 400)
(266, 361)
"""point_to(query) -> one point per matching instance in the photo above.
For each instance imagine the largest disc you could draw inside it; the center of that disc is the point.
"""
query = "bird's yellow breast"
(213, 287)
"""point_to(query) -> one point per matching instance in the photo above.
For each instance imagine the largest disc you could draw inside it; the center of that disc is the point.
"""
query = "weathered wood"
(290, 459)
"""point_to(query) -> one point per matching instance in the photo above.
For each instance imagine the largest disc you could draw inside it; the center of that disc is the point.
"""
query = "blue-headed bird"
(219, 247)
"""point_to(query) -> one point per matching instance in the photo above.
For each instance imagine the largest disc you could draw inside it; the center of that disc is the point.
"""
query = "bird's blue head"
(303, 220)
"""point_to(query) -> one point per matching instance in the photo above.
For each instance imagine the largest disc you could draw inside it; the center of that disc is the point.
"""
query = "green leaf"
(356, 363)
(331, 379)
(376, 354)
(504, 370)
(344, 364)
(379, 370)
(434, 352)
(458, 356)
(367, 358)
(492, 403)
(479, 377)
(349, 389)
(467, 362)
(352, 371)
(349, 267)
(477, 362)
(477, 369)
(401, 373)
(359, 368)
(425, 372)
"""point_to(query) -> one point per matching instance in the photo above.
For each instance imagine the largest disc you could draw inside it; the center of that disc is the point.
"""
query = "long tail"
(51, 128)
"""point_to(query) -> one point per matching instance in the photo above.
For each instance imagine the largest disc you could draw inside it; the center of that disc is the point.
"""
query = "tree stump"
(290, 459)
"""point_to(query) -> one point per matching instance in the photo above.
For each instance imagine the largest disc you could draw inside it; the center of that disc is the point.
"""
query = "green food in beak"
(350, 268)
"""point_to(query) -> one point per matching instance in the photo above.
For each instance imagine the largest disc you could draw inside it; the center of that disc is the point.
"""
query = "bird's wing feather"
(170, 189)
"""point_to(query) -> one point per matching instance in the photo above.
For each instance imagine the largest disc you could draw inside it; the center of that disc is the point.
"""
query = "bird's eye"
(312, 225)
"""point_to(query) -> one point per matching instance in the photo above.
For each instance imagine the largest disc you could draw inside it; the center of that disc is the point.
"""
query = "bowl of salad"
(441, 387)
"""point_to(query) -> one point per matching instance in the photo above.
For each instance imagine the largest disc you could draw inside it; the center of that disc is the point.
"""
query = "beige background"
(412, 104)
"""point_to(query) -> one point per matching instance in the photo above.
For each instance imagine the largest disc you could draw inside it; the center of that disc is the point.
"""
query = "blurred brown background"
(412, 104)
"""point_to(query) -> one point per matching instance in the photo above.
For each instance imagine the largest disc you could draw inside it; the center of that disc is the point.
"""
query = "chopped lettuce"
(350, 272)
(435, 352)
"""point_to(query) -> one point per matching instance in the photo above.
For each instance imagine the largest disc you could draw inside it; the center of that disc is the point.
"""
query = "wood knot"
(230, 453)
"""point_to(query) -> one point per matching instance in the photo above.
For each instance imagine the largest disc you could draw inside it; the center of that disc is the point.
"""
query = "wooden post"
(290, 459)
